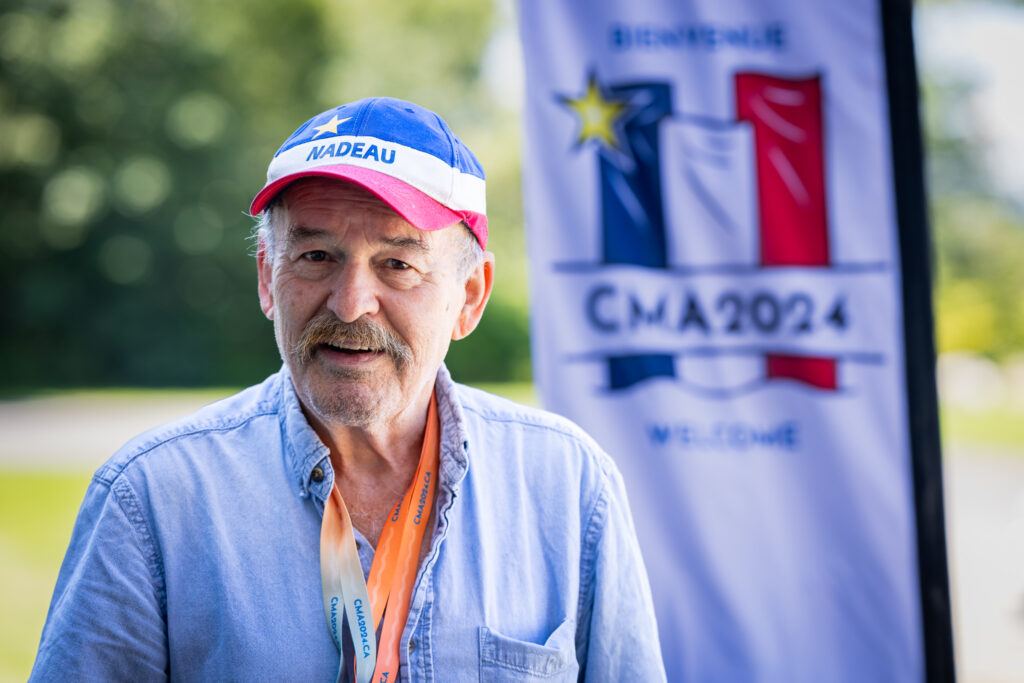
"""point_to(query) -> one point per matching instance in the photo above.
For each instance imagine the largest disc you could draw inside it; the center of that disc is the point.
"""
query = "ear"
(264, 273)
(478, 291)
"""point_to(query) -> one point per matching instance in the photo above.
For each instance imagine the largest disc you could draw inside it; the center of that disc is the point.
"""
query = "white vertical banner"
(717, 298)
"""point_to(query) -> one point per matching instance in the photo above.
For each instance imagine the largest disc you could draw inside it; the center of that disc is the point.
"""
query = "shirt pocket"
(507, 659)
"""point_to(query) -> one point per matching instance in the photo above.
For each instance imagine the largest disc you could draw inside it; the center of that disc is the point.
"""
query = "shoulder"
(200, 431)
(547, 442)
(502, 413)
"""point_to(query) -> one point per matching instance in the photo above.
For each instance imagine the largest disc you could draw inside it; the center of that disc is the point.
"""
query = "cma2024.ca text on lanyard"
(387, 592)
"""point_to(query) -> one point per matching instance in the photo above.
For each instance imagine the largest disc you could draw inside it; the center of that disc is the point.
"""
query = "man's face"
(364, 305)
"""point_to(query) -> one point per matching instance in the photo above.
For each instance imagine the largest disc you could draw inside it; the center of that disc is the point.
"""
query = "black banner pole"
(922, 397)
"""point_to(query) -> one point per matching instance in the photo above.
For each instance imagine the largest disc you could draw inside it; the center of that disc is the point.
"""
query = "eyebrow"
(414, 243)
(297, 233)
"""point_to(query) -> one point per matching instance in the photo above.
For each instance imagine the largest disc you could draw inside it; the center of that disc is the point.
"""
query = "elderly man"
(358, 515)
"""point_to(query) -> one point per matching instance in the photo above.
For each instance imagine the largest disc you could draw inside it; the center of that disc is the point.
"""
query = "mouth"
(344, 348)
(347, 352)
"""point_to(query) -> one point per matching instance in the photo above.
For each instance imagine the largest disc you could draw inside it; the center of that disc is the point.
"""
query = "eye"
(395, 264)
(316, 256)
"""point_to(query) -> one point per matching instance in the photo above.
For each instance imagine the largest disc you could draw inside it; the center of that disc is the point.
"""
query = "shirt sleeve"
(619, 641)
(107, 616)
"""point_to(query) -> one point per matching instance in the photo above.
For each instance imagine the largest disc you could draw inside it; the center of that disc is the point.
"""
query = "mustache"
(326, 328)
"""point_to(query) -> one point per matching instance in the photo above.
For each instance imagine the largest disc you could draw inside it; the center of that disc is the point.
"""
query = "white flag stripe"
(712, 208)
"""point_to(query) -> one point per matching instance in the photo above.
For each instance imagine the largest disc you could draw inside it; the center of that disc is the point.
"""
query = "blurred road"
(985, 531)
(984, 507)
(80, 431)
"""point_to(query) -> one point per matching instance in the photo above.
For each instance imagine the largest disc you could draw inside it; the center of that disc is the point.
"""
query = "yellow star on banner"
(330, 127)
(597, 115)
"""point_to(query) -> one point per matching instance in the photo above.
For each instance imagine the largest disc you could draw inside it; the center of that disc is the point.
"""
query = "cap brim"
(419, 209)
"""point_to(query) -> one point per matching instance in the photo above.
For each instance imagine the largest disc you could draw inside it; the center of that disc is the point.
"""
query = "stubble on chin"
(355, 397)
(345, 400)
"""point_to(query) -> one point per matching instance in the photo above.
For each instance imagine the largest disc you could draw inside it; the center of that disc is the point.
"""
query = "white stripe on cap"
(428, 174)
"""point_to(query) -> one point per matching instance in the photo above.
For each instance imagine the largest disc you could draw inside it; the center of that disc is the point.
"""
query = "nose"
(354, 294)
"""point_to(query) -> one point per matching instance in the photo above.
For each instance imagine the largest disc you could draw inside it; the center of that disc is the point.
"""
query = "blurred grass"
(521, 392)
(1000, 427)
(37, 510)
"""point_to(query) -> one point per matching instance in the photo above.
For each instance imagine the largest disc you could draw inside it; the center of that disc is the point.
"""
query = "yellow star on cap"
(597, 115)
(330, 127)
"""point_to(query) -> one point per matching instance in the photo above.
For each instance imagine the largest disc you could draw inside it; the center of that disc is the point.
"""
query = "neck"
(380, 448)
(374, 464)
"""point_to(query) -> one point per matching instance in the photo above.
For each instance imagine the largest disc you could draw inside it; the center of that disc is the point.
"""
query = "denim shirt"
(195, 555)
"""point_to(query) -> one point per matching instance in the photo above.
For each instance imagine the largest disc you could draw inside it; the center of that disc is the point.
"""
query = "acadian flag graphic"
(718, 264)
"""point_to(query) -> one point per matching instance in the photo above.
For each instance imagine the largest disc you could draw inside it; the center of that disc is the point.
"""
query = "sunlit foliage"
(132, 136)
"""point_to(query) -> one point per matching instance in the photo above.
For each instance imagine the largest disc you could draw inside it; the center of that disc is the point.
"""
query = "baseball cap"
(399, 151)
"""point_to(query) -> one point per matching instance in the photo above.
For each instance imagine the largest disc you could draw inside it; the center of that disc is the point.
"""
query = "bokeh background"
(134, 134)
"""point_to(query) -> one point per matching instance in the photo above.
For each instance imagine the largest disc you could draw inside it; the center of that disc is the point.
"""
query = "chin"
(350, 404)
(348, 414)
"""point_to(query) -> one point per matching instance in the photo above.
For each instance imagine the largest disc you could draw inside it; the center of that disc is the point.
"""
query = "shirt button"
(317, 475)
(412, 645)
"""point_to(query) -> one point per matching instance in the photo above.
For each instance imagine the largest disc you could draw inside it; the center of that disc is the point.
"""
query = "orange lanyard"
(392, 574)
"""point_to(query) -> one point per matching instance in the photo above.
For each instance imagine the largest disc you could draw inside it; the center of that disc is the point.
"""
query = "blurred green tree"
(978, 233)
(133, 136)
